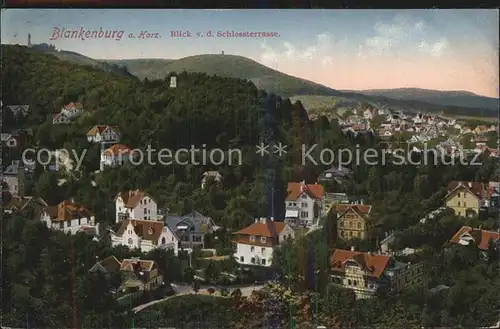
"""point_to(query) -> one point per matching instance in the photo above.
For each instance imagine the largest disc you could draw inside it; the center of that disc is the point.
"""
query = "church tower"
(29, 40)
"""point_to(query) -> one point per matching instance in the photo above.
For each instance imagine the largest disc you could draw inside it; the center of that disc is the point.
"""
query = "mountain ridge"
(263, 77)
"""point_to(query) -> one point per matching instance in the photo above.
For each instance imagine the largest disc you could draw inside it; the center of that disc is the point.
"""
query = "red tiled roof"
(99, 129)
(262, 229)
(118, 149)
(481, 237)
(68, 210)
(295, 190)
(132, 198)
(374, 265)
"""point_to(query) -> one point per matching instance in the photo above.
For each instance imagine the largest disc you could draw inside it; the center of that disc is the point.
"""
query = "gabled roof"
(479, 190)
(131, 198)
(118, 149)
(295, 190)
(99, 129)
(5, 137)
(73, 105)
(263, 229)
(149, 230)
(361, 209)
(481, 237)
(143, 265)
(373, 265)
(193, 219)
(18, 203)
(68, 210)
(110, 264)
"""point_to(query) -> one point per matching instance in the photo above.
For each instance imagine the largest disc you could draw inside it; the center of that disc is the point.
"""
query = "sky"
(437, 49)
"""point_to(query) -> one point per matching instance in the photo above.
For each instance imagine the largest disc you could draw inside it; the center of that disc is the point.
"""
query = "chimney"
(263, 220)
(361, 202)
(470, 184)
(257, 220)
(352, 248)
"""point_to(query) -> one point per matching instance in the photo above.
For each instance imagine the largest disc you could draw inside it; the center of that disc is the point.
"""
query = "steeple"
(29, 40)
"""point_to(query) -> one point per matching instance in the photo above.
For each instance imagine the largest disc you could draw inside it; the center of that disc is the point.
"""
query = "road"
(180, 290)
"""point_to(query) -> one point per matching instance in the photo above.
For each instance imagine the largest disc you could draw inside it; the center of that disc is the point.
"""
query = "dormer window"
(252, 238)
(263, 239)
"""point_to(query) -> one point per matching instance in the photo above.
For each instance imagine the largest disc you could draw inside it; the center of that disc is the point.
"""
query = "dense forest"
(45, 279)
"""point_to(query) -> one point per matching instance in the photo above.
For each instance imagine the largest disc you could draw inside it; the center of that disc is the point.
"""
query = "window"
(140, 201)
(263, 261)
(304, 214)
(341, 233)
(242, 259)
(252, 249)
(303, 205)
(145, 211)
(163, 241)
(130, 241)
(465, 205)
(459, 203)
(252, 238)
(304, 196)
(263, 239)
(349, 282)
(262, 250)
(341, 224)
(359, 225)
(458, 194)
(355, 282)
(252, 260)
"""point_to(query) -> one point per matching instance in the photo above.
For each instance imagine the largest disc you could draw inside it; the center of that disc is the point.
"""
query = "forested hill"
(214, 111)
(201, 109)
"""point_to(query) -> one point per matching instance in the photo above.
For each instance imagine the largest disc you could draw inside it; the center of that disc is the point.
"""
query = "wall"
(245, 250)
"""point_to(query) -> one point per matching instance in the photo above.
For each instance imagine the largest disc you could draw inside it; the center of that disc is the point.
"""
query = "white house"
(145, 235)
(9, 140)
(116, 155)
(215, 175)
(135, 204)
(255, 244)
(73, 109)
(61, 118)
(69, 217)
(103, 133)
(304, 204)
(68, 113)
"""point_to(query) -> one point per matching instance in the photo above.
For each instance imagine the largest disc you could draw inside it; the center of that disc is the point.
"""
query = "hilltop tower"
(29, 40)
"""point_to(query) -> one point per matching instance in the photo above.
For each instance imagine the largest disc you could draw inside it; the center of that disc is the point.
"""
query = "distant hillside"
(448, 98)
(228, 66)
(77, 58)
(267, 79)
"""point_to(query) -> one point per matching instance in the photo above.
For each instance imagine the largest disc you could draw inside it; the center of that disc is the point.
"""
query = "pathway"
(181, 290)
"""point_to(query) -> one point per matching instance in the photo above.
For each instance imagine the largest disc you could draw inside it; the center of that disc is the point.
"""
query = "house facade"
(103, 134)
(255, 244)
(8, 141)
(116, 155)
(69, 217)
(353, 220)
(303, 204)
(145, 235)
(190, 228)
(213, 175)
(135, 204)
(466, 198)
(365, 273)
(140, 275)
